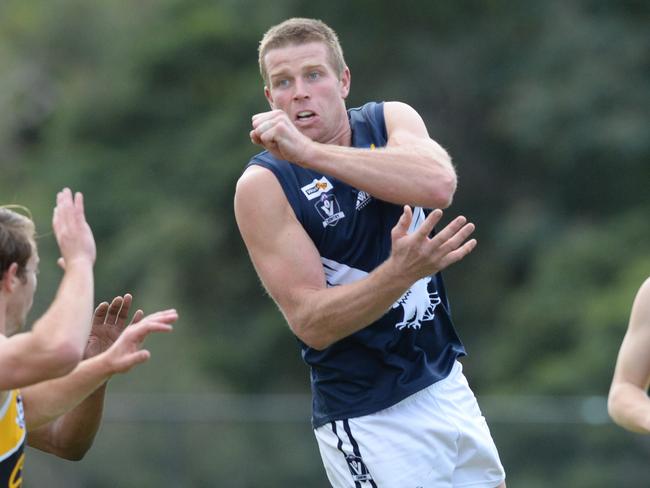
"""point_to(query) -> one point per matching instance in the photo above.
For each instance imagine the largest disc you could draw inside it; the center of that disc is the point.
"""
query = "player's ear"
(344, 83)
(269, 97)
(9, 278)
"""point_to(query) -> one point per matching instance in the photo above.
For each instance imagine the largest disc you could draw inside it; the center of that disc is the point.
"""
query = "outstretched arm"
(411, 170)
(56, 342)
(290, 268)
(628, 402)
(46, 404)
(71, 435)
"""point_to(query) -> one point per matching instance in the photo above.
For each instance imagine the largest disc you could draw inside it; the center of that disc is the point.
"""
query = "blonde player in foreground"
(53, 378)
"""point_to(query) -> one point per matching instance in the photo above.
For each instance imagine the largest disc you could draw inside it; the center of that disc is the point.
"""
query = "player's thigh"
(477, 463)
(404, 445)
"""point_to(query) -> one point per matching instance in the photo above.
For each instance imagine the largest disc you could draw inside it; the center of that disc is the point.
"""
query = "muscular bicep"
(404, 126)
(409, 141)
(283, 255)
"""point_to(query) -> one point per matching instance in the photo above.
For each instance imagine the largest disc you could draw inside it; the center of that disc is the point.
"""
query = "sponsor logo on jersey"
(329, 209)
(358, 468)
(363, 199)
(316, 188)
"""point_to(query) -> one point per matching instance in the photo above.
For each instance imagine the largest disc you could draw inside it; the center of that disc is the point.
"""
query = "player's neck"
(343, 136)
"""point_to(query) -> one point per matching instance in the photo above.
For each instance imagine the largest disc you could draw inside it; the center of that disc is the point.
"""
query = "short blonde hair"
(17, 238)
(297, 31)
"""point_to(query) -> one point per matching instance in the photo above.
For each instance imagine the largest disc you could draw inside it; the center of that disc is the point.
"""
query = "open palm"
(109, 321)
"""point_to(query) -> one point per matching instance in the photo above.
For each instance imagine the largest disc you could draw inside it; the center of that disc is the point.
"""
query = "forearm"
(55, 345)
(330, 314)
(71, 435)
(69, 317)
(47, 401)
(410, 174)
(629, 407)
(70, 409)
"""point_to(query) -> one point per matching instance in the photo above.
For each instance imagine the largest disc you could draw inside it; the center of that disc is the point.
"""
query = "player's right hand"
(72, 232)
(275, 132)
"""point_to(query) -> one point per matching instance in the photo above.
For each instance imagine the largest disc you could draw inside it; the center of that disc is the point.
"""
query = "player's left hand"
(275, 132)
(108, 323)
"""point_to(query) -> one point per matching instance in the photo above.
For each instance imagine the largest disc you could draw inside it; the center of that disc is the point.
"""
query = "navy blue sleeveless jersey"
(414, 344)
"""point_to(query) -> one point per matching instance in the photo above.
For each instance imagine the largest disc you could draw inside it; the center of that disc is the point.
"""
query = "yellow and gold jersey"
(12, 441)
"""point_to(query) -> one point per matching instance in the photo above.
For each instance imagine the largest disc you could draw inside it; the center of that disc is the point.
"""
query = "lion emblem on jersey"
(418, 305)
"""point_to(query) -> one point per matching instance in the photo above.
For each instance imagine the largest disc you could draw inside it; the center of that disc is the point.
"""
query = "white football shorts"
(436, 438)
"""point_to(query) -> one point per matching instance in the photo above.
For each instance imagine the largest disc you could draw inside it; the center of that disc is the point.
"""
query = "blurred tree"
(147, 109)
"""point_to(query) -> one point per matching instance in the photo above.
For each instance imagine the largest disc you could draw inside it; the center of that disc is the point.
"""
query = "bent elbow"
(443, 181)
(613, 409)
(314, 341)
(620, 414)
(442, 191)
(310, 335)
(70, 452)
(446, 193)
(318, 344)
(74, 454)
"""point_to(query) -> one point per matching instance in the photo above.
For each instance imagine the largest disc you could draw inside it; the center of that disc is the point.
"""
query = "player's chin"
(311, 132)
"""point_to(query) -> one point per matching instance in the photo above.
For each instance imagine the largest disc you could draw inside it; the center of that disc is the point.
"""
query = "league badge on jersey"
(358, 469)
(329, 209)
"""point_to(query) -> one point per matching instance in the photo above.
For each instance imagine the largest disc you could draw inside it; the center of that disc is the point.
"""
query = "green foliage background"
(146, 106)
